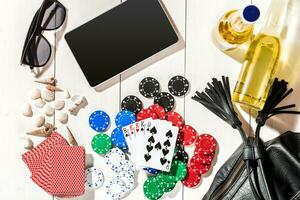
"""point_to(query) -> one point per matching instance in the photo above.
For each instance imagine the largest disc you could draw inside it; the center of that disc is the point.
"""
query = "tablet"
(123, 40)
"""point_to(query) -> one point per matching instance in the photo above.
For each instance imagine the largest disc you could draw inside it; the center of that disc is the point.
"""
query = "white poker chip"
(126, 165)
(116, 189)
(94, 178)
(114, 158)
(127, 178)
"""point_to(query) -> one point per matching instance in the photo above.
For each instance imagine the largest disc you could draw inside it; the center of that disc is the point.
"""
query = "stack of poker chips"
(155, 186)
(201, 161)
(123, 182)
(57, 167)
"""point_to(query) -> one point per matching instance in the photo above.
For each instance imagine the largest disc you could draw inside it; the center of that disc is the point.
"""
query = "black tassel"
(217, 99)
(278, 92)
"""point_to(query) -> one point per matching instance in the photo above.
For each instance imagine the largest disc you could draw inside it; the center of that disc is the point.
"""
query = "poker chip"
(151, 170)
(149, 87)
(192, 179)
(115, 158)
(206, 144)
(158, 110)
(99, 121)
(125, 118)
(165, 100)
(127, 178)
(132, 104)
(145, 114)
(164, 184)
(118, 139)
(182, 156)
(178, 86)
(126, 165)
(151, 191)
(177, 172)
(94, 178)
(175, 118)
(116, 189)
(197, 161)
(188, 134)
(101, 143)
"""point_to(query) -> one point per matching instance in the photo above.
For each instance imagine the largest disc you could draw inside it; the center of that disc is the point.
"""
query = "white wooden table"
(198, 62)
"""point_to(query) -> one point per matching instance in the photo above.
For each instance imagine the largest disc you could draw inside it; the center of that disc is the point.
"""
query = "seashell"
(62, 117)
(48, 95)
(39, 103)
(47, 81)
(77, 99)
(59, 104)
(46, 131)
(71, 138)
(53, 88)
(27, 143)
(49, 110)
(39, 121)
(27, 110)
(35, 94)
(66, 94)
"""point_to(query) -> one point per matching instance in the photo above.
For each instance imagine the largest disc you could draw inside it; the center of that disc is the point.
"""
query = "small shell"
(77, 99)
(66, 94)
(39, 103)
(39, 121)
(48, 95)
(62, 117)
(59, 104)
(47, 81)
(35, 94)
(27, 110)
(27, 143)
(48, 110)
(53, 88)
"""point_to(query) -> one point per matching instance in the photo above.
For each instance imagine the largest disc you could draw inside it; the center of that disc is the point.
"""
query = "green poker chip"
(177, 172)
(165, 184)
(151, 189)
(101, 143)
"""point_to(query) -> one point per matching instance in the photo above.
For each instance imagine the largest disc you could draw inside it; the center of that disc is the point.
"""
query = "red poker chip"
(144, 114)
(189, 135)
(175, 118)
(206, 144)
(192, 178)
(199, 159)
(199, 168)
(158, 110)
(198, 153)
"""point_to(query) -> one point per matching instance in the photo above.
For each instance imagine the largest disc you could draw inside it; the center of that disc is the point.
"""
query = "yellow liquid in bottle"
(257, 75)
(233, 30)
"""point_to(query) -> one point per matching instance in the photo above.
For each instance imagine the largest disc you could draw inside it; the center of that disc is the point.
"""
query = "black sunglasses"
(37, 49)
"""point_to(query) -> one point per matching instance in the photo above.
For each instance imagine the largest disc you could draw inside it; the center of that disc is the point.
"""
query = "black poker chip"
(149, 87)
(178, 86)
(132, 103)
(182, 156)
(165, 100)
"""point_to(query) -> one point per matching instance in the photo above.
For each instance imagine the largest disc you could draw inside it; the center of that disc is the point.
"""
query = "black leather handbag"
(256, 170)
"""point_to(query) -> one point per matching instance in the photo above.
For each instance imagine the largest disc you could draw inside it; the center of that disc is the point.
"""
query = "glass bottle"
(261, 61)
(232, 31)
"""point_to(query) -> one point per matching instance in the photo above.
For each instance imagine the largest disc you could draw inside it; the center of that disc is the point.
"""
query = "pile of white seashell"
(45, 99)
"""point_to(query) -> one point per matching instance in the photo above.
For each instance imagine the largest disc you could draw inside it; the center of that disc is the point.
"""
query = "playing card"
(160, 144)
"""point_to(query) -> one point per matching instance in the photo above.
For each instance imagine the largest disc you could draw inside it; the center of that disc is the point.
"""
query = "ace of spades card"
(159, 145)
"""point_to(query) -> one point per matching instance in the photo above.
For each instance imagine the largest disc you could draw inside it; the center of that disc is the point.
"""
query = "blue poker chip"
(151, 170)
(118, 138)
(125, 118)
(99, 121)
(251, 13)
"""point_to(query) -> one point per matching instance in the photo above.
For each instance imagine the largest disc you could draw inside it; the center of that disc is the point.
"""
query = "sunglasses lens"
(54, 15)
(38, 52)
